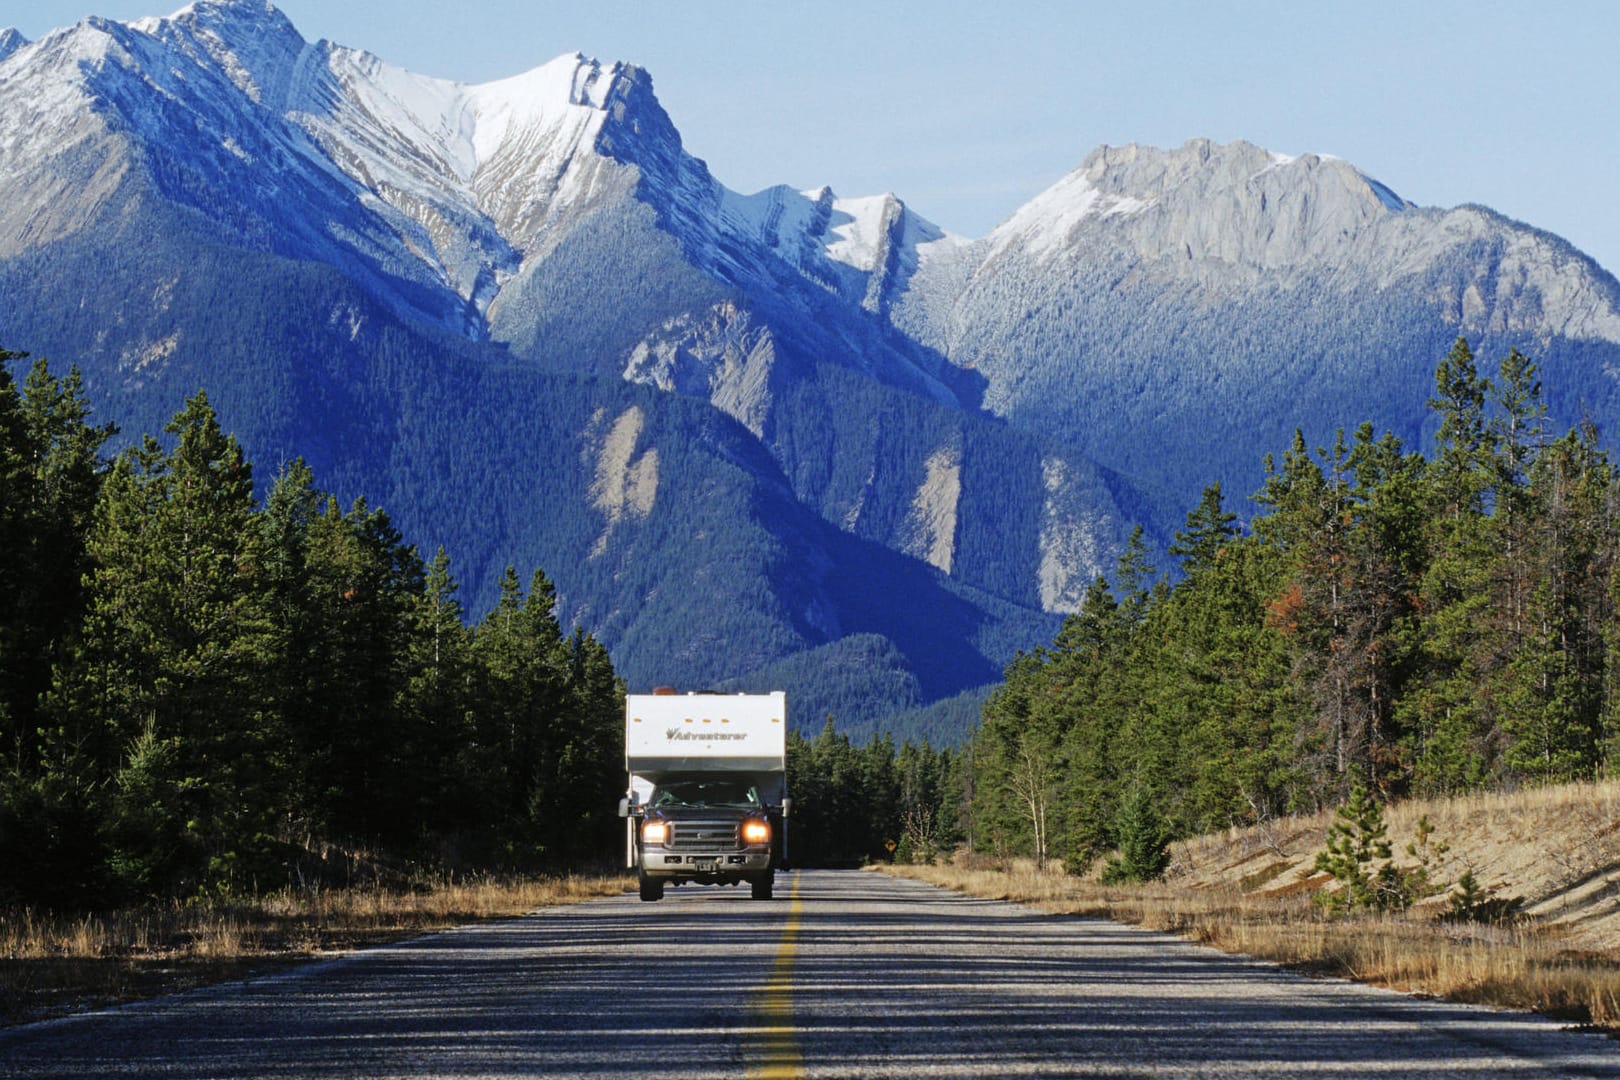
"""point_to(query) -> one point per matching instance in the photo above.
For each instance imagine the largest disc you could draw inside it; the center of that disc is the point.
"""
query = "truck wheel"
(651, 888)
(762, 888)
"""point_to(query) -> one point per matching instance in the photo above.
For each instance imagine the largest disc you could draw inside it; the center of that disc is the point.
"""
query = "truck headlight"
(755, 831)
(655, 832)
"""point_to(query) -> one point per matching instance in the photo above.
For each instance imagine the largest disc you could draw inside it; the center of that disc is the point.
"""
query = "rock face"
(624, 484)
(10, 42)
(720, 356)
(1176, 314)
(414, 282)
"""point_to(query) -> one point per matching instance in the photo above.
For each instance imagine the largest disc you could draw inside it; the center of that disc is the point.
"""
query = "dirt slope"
(1557, 849)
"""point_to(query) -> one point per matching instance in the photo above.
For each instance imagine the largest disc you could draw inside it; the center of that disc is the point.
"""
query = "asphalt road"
(844, 974)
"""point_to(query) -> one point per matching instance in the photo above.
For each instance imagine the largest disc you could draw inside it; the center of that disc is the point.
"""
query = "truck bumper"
(711, 867)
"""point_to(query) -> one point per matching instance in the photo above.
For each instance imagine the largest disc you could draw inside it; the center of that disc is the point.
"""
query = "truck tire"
(651, 888)
(762, 888)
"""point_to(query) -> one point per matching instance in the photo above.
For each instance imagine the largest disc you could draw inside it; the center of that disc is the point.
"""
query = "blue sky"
(967, 109)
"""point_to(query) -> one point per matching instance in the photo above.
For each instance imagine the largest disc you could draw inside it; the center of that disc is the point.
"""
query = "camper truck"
(707, 800)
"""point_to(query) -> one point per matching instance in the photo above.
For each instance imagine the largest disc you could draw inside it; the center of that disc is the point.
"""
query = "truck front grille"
(705, 835)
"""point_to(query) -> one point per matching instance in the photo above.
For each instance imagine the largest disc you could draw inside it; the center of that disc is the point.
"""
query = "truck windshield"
(718, 792)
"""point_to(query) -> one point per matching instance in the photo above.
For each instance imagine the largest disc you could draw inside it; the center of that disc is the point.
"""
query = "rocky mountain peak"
(1201, 169)
(251, 41)
(1236, 205)
(10, 41)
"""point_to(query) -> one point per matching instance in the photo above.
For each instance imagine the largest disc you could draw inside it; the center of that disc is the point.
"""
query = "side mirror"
(787, 806)
(624, 807)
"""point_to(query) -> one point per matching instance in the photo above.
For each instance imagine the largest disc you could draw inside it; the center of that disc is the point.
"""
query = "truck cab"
(707, 801)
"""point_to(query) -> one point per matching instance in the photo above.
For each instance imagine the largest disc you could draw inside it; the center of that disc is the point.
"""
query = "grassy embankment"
(51, 966)
(1551, 855)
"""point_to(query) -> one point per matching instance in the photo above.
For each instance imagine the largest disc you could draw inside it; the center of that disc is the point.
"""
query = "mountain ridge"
(336, 242)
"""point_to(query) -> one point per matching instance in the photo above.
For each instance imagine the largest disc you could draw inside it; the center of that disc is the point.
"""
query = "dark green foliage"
(50, 472)
(1472, 902)
(1389, 624)
(851, 802)
(1144, 842)
(1355, 841)
(159, 697)
(1209, 527)
(1356, 852)
(235, 684)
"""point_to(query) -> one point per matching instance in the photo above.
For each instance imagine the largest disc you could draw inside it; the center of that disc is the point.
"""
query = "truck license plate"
(706, 864)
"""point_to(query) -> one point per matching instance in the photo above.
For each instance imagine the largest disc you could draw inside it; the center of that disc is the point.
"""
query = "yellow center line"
(775, 1045)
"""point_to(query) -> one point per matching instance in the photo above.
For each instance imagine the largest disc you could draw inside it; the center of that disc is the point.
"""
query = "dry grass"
(1555, 849)
(1248, 891)
(51, 966)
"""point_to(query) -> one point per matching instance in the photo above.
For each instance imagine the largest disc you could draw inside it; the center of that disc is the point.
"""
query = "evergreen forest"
(203, 695)
(1386, 621)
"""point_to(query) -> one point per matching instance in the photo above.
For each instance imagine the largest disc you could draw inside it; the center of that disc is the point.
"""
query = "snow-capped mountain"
(367, 264)
(10, 42)
(1177, 313)
(459, 194)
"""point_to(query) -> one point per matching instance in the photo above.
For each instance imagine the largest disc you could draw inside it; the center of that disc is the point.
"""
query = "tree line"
(200, 694)
(854, 804)
(1417, 625)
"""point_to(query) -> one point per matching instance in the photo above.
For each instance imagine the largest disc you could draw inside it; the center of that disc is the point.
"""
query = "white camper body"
(680, 749)
(687, 733)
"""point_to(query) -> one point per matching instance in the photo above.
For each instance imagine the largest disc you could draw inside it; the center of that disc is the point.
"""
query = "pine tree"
(1209, 526)
(1144, 842)
(520, 652)
(1017, 787)
(440, 694)
(1454, 736)
(166, 692)
(1356, 840)
(1295, 498)
(1225, 674)
(50, 474)
(1387, 559)
(294, 685)
(17, 494)
(1086, 669)
(1133, 579)
(1550, 691)
(591, 753)
(367, 581)
(1463, 468)
(1356, 551)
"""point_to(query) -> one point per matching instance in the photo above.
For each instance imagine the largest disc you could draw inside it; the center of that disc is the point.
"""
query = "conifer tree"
(17, 488)
(441, 697)
(520, 651)
(50, 474)
(1088, 664)
(1133, 580)
(370, 580)
(1144, 841)
(1209, 526)
(294, 682)
(1357, 839)
(165, 695)
(1014, 754)
(1295, 498)
(1464, 467)
(1454, 737)
(1550, 690)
